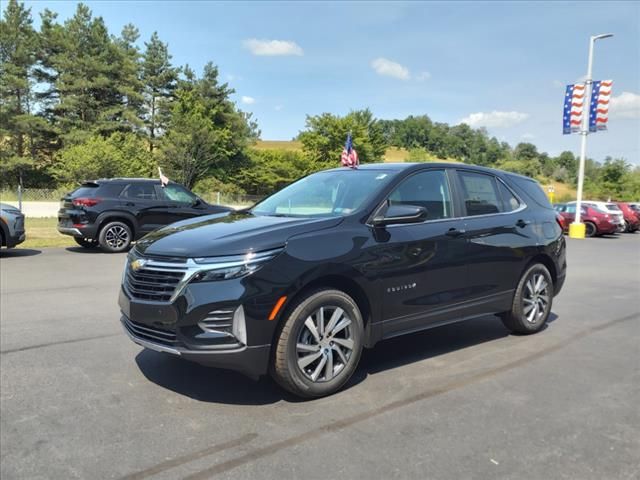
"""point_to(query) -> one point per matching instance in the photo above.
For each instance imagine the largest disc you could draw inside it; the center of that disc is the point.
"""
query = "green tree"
(270, 170)
(325, 135)
(88, 76)
(18, 125)
(159, 79)
(207, 134)
(119, 155)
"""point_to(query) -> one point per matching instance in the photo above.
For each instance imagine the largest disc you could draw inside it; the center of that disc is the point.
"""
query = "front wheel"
(115, 237)
(532, 301)
(319, 345)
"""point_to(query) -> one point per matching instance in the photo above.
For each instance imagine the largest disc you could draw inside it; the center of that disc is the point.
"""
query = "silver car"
(11, 226)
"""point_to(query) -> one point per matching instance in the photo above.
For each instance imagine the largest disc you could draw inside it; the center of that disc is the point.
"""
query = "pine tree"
(159, 79)
(92, 78)
(18, 45)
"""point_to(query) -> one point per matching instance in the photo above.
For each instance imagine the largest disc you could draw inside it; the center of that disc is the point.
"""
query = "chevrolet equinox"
(299, 284)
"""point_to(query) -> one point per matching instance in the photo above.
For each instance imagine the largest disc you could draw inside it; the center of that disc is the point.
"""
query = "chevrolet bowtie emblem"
(138, 264)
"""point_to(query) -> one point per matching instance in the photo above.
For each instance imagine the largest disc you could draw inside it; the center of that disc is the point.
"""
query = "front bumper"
(16, 239)
(252, 361)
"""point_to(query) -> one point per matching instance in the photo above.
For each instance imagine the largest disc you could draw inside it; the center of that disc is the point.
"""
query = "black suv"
(111, 213)
(297, 285)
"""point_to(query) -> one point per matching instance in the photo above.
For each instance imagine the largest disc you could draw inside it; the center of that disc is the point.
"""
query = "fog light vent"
(218, 321)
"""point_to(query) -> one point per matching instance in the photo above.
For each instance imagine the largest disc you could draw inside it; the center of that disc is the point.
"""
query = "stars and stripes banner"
(349, 156)
(573, 103)
(599, 109)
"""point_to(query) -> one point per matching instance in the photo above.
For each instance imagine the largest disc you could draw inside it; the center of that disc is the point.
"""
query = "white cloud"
(248, 100)
(272, 48)
(527, 136)
(558, 83)
(389, 68)
(277, 108)
(625, 105)
(494, 119)
(423, 76)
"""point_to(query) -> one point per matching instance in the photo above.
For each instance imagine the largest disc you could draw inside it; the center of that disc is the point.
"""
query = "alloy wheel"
(536, 298)
(116, 236)
(325, 344)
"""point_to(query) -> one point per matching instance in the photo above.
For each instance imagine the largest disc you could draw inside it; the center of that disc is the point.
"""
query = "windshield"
(325, 194)
(613, 206)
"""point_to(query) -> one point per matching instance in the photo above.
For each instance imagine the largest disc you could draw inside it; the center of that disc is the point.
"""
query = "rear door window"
(140, 191)
(480, 193)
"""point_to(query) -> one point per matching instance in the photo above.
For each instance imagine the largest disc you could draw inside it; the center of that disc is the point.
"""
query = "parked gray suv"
(11, 226)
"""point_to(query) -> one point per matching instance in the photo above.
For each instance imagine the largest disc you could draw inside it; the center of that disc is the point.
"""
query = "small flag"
(573, 103)
(349, 155)
(163, 180)
(599, 110)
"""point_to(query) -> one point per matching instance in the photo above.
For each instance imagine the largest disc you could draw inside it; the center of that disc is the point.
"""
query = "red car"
(631, 217)
(595, 221)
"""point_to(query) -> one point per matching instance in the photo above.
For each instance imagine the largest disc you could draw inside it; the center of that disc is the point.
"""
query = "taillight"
(561, 221)
(85, 202)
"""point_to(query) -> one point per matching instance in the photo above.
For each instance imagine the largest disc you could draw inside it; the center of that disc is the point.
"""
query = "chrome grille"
(218, 321)
(153, 280)
(149, 333)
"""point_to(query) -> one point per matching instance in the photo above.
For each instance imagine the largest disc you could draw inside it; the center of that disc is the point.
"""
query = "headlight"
(213, 269)
(12, 211)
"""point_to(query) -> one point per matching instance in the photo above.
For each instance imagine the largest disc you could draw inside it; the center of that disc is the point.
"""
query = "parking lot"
(80, 400)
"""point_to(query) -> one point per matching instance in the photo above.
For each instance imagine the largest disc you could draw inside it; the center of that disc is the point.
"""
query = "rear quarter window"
(532, 189)
(89, 190)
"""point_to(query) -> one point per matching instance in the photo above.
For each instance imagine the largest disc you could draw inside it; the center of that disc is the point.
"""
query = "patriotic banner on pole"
(599, 109)
(573, 103)
(349, 156)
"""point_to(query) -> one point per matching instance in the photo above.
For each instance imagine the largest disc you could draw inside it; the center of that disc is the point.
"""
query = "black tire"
(115, 237)
(628, 228)
(86, 242)
(590, 229)
(285, 367)
(518, 319)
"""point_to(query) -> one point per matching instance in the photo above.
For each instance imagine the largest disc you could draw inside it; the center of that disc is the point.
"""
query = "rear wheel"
(86, 242)
(320, 343)
(115, 237)
(532, 301)
(590, 229)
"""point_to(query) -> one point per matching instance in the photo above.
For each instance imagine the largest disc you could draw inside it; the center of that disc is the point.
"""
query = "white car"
(607, 207)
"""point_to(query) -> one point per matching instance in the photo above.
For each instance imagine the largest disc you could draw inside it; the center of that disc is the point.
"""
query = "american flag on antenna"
(599, 110)
(349, 155)
(573, 103)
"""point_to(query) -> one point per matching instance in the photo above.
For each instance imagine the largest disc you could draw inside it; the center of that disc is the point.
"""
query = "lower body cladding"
(213, 334)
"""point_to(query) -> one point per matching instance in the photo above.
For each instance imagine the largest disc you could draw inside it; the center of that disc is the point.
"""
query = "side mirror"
(401, 214)
(196, 203)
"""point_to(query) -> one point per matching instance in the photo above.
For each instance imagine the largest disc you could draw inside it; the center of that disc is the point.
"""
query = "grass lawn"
(41, 232)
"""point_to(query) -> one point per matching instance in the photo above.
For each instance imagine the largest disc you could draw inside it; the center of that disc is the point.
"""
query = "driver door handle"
(455, 232)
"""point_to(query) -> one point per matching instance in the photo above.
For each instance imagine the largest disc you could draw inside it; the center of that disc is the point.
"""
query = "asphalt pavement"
(79, 400)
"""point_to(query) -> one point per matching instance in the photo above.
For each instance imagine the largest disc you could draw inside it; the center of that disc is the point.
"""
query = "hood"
(227, 234)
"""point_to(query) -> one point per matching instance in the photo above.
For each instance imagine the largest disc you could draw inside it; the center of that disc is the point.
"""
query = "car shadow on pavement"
(207, 384)
(94, 251)
(222, 386)
(19, 252)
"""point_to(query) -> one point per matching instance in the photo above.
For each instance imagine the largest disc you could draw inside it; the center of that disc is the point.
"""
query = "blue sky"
(497, 64)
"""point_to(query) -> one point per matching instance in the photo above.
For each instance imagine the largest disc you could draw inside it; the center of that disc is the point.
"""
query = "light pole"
(577, 229)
